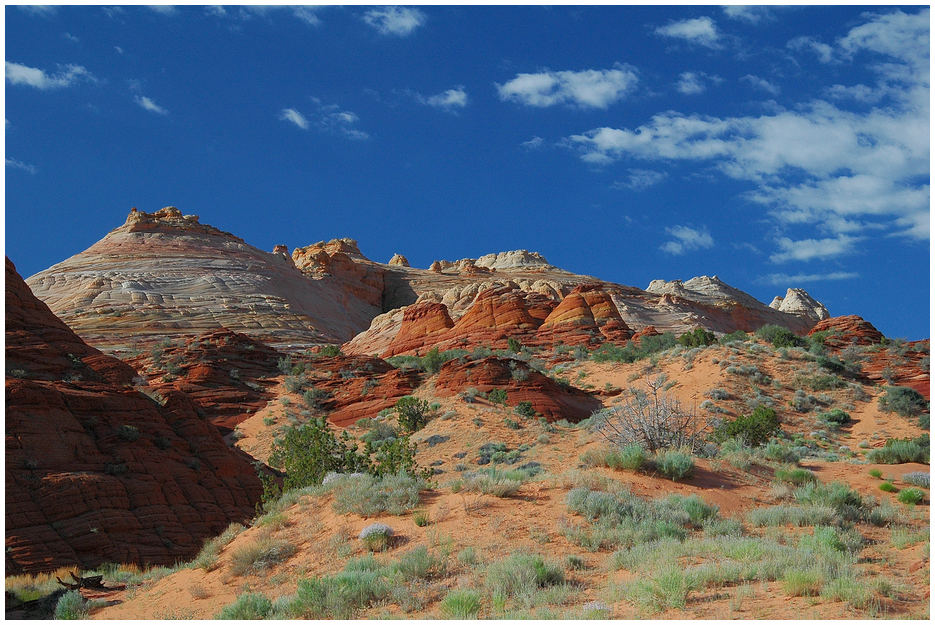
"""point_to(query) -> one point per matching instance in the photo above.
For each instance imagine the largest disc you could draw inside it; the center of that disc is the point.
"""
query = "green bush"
(753, 429)
(779, 336)
(900, 450)
(521, 574)
(412, 413)
(513, 345)
(733, 337)
(674, 464)
(249, 606)
(903, 401)
(417, 564)
(836, 417)
(910, 496)
(295, 383)
(71, 606)
(497, 396)
(631, 352)
(315, 397)
(461, 604)
(128, 432)
(698, 338)
(887, 487)
(795, 476)
(877, 473)
(525, 409)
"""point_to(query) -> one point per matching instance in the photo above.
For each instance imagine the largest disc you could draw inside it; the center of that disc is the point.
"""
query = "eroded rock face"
(96, 471)
(586, 315)
(422, 325)
(340, 265)
(505, 261)
(548, 398)
(798, 302)
(164, 274)
(847, 330)
(399, 260)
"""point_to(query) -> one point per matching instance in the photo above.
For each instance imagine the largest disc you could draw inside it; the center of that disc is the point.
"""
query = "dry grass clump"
(266, 552)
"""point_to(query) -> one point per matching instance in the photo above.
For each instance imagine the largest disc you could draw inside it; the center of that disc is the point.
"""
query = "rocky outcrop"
(586, 315)
(97, 471)
(399, 260)
(422, 325)
(847, 330)
(346, 269)
(798, 302)
(226, 374)
(517, 259)
(165, 274)
(521, 383)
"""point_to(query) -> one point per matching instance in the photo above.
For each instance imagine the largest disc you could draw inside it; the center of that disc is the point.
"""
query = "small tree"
(412, 413)
(653, 420)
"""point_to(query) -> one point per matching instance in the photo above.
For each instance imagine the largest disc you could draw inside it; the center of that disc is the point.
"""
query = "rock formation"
(165, 274)
(399, 260)
(521, 383)
(513, 260)
(97, 471)
(798, 302)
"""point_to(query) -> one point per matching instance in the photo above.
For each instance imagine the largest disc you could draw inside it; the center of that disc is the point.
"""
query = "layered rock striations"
(97, 471)
(165, 274)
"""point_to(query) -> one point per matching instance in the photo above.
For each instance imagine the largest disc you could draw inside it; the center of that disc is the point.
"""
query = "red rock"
(423, 324)
(98, 472)
(647, 331)
(586, 315)
(552, 400)
(847, 330)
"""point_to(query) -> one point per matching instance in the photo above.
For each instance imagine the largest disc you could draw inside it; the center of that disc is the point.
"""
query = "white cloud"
(640, 179)
(749, 14)
(588, 88)
(398, 21)
(17, 74)
(813, 249)
(823, 51)
(699, 30)
(118, 49)
(148, 105)
(309, 15)
(836, 171)
(292, 115)
(448, 100)
(760, 83)
(15, 164)
(40, 10)
(163, 9)
(533, 143)
(784, 279)
(71, 37)
(687, 239)
(693, 83)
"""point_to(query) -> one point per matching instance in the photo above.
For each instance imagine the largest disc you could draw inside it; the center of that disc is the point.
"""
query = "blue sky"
(774, 147)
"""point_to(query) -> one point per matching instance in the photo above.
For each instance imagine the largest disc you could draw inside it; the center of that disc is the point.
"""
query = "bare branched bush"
(653, 420)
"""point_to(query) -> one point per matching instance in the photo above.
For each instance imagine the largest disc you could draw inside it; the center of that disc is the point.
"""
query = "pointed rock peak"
(516, 259)
(399, 260)
(168, 219)
(332, 247)
(281, 249)
(799, 302)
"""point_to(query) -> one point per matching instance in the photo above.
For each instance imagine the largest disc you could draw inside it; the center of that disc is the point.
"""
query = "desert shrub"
(520, 575)
(330, 351)
(717, 393)
(674, 464)
(779, 451)
(412, 413)
(910, 496)
(510, 423)
(666, 588)
(722, 527)
(421, 519)
(653, 420)
(877, 473)
(888, 487)
(753, 429)
(801, 402)
(779, 336)
(295, 383)
(314, 397)
(513, 345)
(900, 450)
(631, 352)
(460, 604)
(818, 382)
(368, 495)
(417, 563)
(837, 495)
(903, 401)
(249, 606)
(856, 593)
(799, 583)
(493, 482)
(795, 476)
(336, 596)
(71, 606)
(835, 418)
(262, 554)
(376, 536)
(630, 457)
(432, 361)
(750, 371)
(785, 514)
(697, 338)
(128, 432)
(467, 556)
(733, 337)
(208, 556)
(497, 396)
(378, 432)
(917, 478)
(525, 409)
(394, 456)
(307, 453)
